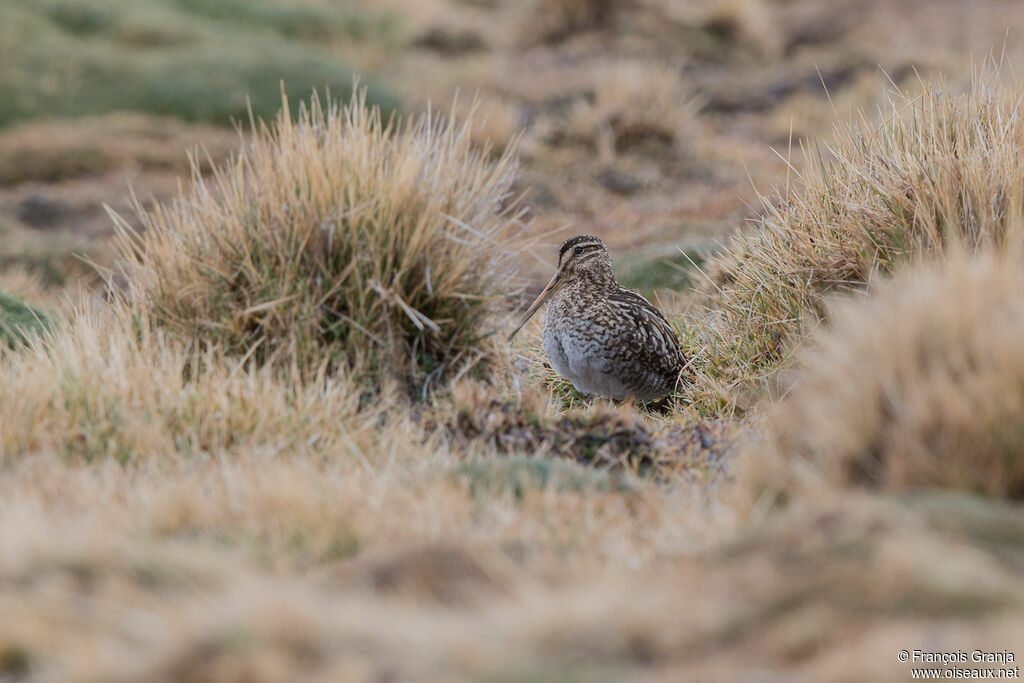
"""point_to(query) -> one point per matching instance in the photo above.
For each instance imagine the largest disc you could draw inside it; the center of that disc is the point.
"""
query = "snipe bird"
(607, 340)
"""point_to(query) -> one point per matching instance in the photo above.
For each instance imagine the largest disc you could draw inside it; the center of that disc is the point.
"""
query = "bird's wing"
(651, 325)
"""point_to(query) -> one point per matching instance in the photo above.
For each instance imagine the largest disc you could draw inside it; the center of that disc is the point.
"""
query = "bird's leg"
(593, 401)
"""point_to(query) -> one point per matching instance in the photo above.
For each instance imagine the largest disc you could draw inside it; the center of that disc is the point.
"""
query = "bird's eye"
(578, 250)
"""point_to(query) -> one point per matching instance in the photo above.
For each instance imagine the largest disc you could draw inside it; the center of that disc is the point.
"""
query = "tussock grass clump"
(940, 168)
(922, 386)
(376, 246)
(634, 101)
(321, 22)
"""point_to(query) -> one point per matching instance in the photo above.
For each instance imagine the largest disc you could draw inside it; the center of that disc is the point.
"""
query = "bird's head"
(580, 257)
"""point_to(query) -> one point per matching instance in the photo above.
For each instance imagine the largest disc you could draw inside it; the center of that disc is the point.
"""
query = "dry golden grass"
(108, 386)
(339, 238)
(275, 470)
(920, 386)
(940, 167)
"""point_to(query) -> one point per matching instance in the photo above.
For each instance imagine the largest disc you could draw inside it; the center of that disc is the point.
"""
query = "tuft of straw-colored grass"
(920, 386)
(96, 390)
(379, 245)
(940, 168)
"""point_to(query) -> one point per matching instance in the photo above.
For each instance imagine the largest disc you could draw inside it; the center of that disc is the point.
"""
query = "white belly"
(580, 362)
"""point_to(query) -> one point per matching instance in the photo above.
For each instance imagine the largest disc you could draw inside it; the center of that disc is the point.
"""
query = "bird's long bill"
(538, 302)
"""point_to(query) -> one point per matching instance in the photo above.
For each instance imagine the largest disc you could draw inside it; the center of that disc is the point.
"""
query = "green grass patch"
(197, 61)
(19, 321)
(519, 474)
(661, 266)
(323, 23)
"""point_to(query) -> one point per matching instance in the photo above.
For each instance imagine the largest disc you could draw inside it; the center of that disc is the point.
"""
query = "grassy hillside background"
(259, 420)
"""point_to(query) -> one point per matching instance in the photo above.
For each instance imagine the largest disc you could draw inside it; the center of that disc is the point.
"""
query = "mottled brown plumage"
(608, 340)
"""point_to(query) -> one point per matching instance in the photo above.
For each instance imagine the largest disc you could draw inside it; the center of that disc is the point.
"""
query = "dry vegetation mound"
(940, 168)
(555, 20)
(922, 386)
(600, 435)
(339, 238)
(632, 102)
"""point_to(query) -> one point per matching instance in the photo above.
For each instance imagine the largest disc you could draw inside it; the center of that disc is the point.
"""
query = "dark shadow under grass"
(601, 437)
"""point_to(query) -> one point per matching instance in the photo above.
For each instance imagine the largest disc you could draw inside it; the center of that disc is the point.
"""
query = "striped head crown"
(580, 245)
